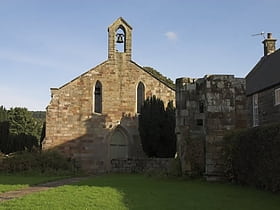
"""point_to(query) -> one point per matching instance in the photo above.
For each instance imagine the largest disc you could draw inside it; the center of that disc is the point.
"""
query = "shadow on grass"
(19, 179)
(141, 192)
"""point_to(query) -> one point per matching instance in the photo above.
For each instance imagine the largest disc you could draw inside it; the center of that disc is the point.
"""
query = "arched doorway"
(119, 145)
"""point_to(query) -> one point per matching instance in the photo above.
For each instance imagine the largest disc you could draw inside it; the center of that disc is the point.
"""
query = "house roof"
(265, 74)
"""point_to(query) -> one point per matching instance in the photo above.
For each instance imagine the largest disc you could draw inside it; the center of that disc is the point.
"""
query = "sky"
(47, 43)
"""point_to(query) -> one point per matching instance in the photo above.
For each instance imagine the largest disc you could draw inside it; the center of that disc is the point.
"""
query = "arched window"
(140, 96)
(98, 97)
(120, 39)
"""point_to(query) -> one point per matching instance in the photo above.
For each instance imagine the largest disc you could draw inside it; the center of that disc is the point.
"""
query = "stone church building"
(93, 119)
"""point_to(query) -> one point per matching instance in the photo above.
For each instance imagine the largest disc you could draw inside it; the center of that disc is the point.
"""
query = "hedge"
(45, 162)
(253, 157)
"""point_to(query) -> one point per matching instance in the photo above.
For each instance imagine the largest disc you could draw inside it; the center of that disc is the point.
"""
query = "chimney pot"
(269, 35)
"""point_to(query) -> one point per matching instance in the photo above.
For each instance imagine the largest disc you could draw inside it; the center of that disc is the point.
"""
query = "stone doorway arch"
(119, 144)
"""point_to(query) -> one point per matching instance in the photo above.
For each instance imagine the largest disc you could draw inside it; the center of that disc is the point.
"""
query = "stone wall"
(140, 165)
(267, 111)
(206, 109)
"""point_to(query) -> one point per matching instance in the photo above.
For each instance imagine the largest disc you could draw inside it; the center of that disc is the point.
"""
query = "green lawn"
(14, 182)
(138, 192)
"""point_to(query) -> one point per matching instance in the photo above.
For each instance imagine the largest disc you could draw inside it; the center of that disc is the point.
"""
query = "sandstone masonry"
(93, 118)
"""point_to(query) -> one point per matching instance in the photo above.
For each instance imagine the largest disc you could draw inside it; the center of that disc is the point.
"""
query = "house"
(93, 119)
(263, 86)
(207, 108)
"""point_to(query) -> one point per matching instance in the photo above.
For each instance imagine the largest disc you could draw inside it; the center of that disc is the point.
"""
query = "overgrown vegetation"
(253, 157)
(136, 192)
(158, 75)
(19, 130)
(157, 128)
(46, 162)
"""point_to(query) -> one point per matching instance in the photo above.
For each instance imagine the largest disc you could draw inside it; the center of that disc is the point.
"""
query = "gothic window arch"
(98, 97)
(140, 96)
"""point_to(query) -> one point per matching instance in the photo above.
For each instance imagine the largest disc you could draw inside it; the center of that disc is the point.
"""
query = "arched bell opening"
(120, 39)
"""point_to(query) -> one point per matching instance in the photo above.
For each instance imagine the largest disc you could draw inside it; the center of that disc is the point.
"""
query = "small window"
(98, 97)
(140, 96)
(255, 101)
(201, 107)
(277, 96)
(199, 122)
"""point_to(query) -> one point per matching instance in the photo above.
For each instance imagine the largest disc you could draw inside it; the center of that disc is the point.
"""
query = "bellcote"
(119, 39)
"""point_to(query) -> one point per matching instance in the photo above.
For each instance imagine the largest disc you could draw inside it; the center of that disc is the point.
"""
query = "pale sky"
(47, 43)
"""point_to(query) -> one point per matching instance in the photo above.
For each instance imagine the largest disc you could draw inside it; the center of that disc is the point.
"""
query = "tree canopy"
(158, 75)
(19, 130)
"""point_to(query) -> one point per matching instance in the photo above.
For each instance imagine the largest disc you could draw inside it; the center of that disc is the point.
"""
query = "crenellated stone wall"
(206, 109)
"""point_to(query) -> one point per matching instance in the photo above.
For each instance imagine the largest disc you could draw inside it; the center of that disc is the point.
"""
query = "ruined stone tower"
(206, 108)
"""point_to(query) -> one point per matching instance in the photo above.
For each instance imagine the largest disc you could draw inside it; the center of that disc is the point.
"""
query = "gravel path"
(38, 188)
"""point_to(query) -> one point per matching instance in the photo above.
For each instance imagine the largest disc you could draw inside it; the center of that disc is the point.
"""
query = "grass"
(10, 182)
(138, 192)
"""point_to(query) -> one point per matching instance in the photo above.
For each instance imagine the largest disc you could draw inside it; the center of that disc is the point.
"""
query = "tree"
(3, 114)
(157, 128)
(43, 134)
(4, 129)
(158, 75)
(22, 121)
(18, 130)
(168, 136)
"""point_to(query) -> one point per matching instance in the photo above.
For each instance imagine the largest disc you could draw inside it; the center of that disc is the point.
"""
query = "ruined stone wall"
(78, 132)
(206, 109)
(267, 111)
(140, 165)
(189, 125)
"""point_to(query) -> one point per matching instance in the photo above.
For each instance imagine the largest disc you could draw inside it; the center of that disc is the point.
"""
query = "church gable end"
(84, 112)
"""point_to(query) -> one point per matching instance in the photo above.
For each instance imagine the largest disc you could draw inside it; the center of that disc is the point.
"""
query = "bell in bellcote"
(120, 38)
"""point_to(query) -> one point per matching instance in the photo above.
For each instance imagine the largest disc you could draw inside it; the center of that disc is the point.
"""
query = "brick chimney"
(269, 44)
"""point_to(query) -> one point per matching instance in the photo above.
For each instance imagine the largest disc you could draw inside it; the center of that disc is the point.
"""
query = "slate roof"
(265, 74)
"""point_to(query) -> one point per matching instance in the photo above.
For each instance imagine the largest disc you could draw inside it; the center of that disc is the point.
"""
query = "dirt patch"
(38, 188)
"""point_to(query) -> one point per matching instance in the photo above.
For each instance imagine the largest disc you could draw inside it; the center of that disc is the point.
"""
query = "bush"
(157, 128)
(253, 157)
(47, 162)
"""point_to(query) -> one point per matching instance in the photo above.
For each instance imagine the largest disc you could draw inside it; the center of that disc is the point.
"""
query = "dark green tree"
(168, 136)
(157, 128)
(22, 121)
(43, 134)
(4, 129)
(18, 130)
(3, 114)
